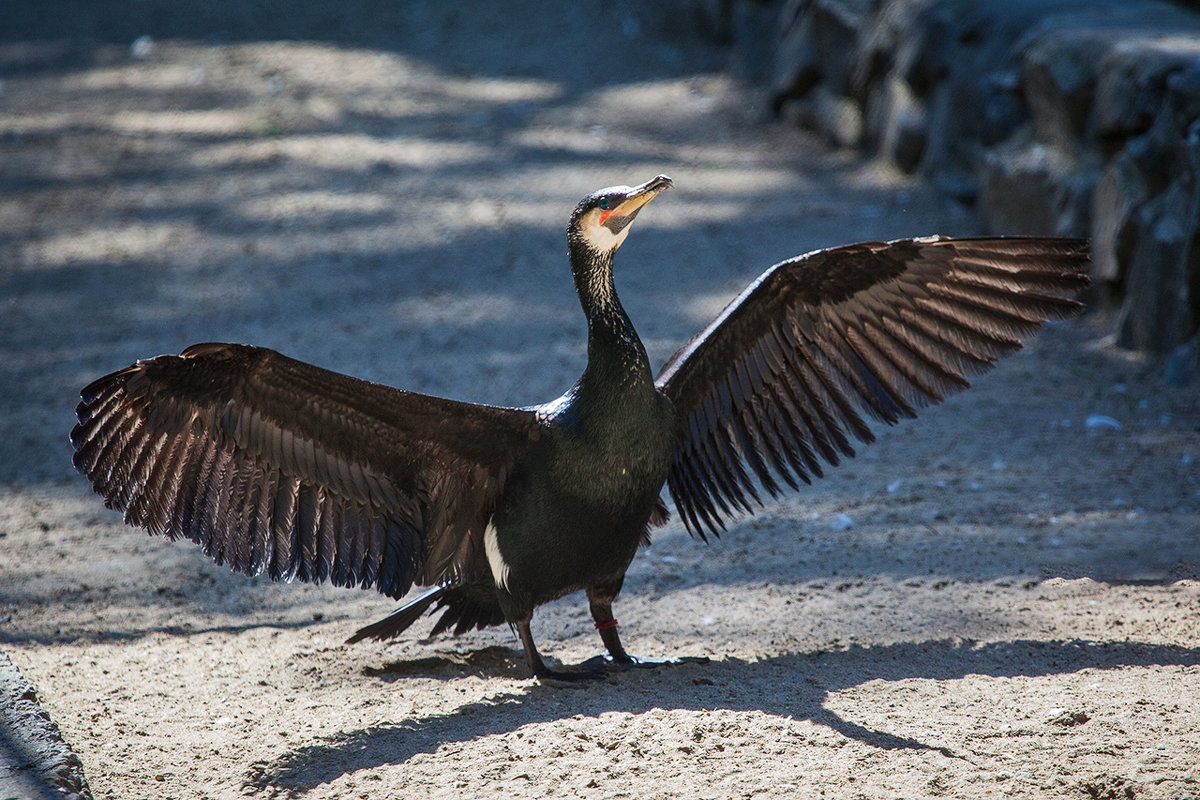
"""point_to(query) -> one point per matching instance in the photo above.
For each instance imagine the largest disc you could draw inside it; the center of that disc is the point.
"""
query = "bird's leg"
(538, 668)
(600, 598)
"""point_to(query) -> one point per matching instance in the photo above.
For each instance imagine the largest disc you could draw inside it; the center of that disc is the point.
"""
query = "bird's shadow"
(793, 685)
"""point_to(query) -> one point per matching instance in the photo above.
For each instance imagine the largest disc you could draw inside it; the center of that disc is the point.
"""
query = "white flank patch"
(491, 546)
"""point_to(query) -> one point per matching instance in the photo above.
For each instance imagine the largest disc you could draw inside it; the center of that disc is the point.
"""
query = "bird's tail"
(397, 623)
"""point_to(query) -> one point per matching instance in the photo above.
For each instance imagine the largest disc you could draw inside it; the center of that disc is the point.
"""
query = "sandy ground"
(996, 599)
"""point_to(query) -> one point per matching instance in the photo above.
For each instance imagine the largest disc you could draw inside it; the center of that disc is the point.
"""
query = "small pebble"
(142, 47)
(841, 522)
(1061, 716)
(1098, 421)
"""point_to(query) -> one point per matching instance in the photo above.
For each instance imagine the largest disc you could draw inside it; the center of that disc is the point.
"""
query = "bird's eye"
(604, 204)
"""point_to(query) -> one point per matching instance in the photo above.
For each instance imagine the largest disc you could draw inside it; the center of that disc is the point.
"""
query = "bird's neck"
(615, 353)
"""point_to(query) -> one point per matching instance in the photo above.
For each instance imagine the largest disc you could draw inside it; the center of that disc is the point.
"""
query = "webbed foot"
(626, 662)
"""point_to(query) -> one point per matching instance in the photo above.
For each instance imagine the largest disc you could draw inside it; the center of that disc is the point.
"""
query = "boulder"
(1058, 79)
(1133, 80)
(895, 120)
(1182, 366)
(1033, 189)
(818, 42)
(1063, 58)
(1119, 192)
(1158, 314)
(834, 116)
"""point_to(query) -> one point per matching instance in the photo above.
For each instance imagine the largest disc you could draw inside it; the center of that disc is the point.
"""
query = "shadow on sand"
(794, 685)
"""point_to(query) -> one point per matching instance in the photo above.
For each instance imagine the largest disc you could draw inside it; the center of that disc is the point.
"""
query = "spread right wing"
(274, 465)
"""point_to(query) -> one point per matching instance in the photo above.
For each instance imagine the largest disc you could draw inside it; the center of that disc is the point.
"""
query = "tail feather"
(397, 623)
(465, 610)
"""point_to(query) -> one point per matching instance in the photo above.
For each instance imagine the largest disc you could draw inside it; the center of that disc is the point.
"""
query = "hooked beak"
(640, 195)
(617, 219)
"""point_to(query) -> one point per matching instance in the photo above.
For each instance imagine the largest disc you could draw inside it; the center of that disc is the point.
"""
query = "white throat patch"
(598, 237)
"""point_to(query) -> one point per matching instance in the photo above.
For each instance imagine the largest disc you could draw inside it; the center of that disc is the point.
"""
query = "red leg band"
(603, 626)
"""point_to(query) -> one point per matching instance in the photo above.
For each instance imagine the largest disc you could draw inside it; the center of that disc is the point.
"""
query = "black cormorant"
(277, 466)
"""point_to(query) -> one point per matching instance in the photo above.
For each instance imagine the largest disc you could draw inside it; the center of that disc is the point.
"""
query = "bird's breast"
(615, 458)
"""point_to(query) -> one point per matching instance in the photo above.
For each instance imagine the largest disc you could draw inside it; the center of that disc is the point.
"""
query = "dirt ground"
(1000, 598)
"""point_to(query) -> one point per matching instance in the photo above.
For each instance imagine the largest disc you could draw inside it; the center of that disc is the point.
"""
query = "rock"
(1119, 192)
(892, 42)
(836, 118)
(1108, 787)
(1133, 79)
(841, 522)
(1064, 55)
(1182, 366)
(142, 47)
(1183, 94)
(1156, 315)
(1058, 117)
(1096, 422)
(796, 69)
(895, 119)
(1058, 77)
(1033, 189)
(1067, 718)
(836, 26)
(818, 44)
(969, 52)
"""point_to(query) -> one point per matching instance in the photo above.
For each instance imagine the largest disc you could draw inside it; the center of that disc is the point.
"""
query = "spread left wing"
(780, 381)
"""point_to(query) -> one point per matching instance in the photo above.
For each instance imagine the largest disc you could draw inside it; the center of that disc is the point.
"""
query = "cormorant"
(277, 466)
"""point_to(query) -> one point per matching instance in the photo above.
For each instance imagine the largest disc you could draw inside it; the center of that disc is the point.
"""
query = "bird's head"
(601, 220)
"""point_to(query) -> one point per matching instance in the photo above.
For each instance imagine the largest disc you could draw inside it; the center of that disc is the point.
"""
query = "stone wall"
(1073, 117)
